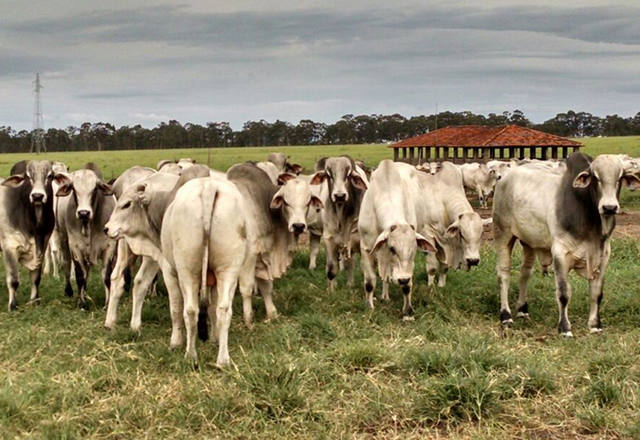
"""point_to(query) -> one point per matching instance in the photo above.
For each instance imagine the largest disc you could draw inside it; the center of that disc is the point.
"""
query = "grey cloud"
(12, 64)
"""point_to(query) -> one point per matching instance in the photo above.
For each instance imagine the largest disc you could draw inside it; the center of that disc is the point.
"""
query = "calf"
(477, 177)
(346, 185)
(84, 206)
(571, 225)
(387, 225)
(26, 221)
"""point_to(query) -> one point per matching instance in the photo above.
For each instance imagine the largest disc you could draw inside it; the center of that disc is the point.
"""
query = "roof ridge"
(488, 141)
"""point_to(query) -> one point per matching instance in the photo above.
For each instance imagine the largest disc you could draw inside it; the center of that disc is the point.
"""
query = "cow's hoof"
(522, 315)
(82, 305)
(505, 317)
(566, 334)
(13, 305)
(109, 327)
(595, 330)
(34, 301)
(272, 317)
(408, 317)
(68, 291)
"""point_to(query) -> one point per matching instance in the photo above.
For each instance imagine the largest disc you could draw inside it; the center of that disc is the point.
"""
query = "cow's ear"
(163, 163)
(631, 180)
(105, 188)
(143, 196)
(284, 178)
(453, 229)
(582, 180)
(357, 181)
(318, 178)
(65, 190)
(382, 239)
(424, 244)
(277, 201)
(316, 202)
(61, 179)
(13, 181)
(295, 168)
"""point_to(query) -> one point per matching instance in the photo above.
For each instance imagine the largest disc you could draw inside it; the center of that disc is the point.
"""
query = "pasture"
(328, 367)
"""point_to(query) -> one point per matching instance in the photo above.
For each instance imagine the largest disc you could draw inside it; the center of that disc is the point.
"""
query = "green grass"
(328, 367)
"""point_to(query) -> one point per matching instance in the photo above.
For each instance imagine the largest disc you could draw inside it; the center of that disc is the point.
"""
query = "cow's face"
(38, 177)
(466, 232)
(129, 217)
(294, 199)
(84, 186)
(399, 243)
(340, 173)
(489, 181)
(605, 175)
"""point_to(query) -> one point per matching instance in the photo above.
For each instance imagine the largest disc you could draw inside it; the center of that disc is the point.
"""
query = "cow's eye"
(126, 205)
(392, 250)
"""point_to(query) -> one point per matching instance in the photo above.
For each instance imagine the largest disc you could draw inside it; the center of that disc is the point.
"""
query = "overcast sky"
(138, 61)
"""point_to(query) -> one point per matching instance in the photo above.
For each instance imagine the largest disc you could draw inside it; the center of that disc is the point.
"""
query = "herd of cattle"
(210, 233)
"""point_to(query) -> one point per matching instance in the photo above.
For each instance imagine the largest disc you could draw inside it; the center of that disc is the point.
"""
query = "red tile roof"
(486, 136)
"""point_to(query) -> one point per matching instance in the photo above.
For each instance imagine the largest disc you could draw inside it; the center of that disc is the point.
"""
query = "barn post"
(554, 152)
(445, 153)
(411, 154)
(395, 154)
(565, 152)
(427, 154)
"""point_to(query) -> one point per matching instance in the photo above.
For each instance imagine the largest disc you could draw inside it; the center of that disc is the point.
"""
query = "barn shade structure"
(481, 143)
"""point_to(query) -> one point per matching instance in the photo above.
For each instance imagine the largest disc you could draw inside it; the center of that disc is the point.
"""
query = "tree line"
(349, 129)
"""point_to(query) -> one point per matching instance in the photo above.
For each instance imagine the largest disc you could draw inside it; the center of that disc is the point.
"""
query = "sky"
(142, 62)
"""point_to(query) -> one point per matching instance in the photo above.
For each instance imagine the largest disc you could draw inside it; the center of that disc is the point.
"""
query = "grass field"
(328, 367)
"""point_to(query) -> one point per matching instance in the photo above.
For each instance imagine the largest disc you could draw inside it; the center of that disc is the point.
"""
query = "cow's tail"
(209, 201)
(208, 204)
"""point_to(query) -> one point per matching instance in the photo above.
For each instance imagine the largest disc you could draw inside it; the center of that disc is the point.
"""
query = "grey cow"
(564, 217)
(346, 186)
(26, 221)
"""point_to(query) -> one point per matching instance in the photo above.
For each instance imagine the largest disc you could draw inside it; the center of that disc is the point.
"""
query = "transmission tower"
(37, 136)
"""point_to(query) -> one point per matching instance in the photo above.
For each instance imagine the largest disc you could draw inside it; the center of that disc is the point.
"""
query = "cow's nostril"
(341, 197)
(298, 227)
(37, 197)
(472, 262)
(403, 281)
(83, 213)
(610, 209)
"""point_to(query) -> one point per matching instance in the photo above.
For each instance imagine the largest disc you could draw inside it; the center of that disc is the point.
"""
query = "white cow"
(479, 178)
(83, 208)
(389, 217)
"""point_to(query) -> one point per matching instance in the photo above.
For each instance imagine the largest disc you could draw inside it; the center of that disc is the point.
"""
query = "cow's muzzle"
(609, 209)
(37, 198)
(298, 228)
(472, 262)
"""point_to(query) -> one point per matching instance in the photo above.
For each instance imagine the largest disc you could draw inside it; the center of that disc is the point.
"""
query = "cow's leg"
(12, 276)
(247, 283)
(66, 266)
(563, 294)
(595, 290)
(442, 274)
(367, 262)
(81, 280)
(116, 288)
(143, 279)
(407, 309)
(332, 262)
(266, 290)
(348, 266)
(504, 247)
(55, 259)
(431, 265)
(46, 268)
(176, 306)
(481, 198)
(528, 259)
(189, 285)
(35, 276)
(314, 248)
(383, 268)
(227, 281)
